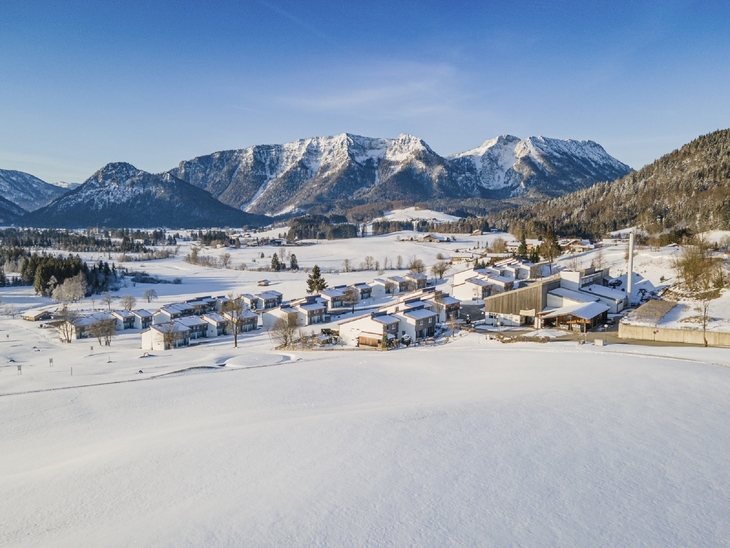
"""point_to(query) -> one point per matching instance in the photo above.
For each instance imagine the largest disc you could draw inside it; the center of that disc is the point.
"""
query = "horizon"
(158, 84)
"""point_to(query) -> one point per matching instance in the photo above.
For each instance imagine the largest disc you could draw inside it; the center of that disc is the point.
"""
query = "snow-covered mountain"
(26, 190)
(120, 195)
(545, 166)
(277, 179)
(10, 213)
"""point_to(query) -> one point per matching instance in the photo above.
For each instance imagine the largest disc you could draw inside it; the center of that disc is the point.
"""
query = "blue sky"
(87, 83)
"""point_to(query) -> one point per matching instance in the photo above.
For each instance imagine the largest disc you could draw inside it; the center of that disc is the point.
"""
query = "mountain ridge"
(120, 195)
(280, 179)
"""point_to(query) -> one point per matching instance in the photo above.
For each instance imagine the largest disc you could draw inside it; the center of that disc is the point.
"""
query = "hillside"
(26, 190)
(688, 188)
(10, 213)
(120, 195)
(323, 173)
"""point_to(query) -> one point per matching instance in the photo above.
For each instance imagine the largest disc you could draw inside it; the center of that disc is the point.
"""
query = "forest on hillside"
(685, 191)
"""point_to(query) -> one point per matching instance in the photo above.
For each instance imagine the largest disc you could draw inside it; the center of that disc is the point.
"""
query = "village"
(479, 283)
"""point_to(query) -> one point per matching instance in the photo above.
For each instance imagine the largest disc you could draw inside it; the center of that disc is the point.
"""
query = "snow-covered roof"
(214, 317)
(477, 281)
(604, 291)
(419, 314)
(448, 299)
(191, 321)
(573, 295)
(586, 311)
(312, 306)
(416, 276)
(270, 295)
(173, 327)
(386, 319)
(122, 313)
(332, 293)
(141, 313)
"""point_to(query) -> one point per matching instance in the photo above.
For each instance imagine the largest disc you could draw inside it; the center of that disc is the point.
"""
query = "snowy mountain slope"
(26, 190)
(272, 179)
(120, 195)
(542, 165)
(9, 212)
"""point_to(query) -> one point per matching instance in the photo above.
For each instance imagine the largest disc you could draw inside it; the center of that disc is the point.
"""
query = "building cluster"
(576, 300)
(412, 317)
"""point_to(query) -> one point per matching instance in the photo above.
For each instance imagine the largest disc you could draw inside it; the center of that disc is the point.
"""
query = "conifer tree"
(315, 282)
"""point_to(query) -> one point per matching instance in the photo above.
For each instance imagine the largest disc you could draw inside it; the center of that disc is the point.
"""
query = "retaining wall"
(685, 336)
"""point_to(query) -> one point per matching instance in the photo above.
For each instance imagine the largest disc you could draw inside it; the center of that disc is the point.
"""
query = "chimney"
(630, 273)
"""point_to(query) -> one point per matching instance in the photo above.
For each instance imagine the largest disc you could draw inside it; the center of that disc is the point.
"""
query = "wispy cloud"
(400, 90)
(311, 29)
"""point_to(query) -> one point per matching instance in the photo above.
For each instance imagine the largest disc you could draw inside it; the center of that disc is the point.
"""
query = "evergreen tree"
(315, 282)
(522, 250)
(275, 264)
(293, 264)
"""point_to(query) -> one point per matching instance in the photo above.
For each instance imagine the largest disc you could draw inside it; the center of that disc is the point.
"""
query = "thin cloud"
(299, 22)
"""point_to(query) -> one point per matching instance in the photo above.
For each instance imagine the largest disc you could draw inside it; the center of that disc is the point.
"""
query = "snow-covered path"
(472, 443)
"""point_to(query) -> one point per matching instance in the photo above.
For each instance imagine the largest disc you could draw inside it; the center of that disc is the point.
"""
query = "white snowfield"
(469, 444)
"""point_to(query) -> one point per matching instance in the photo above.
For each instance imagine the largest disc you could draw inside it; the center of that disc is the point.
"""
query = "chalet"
(172, 312)
(269, 299)
(574, 245)
(418, 323)
(217, 324)
(142, 319)
(416, 279)
(369, 330)
(165, 336)
(398, 285)
(365, 290)
(310, 310)
(125, 319)
(334, 297)
(248, 320)
(380, 288)
(431, 238)
(38, 314)
(284, 312)
(80, 328)
(474, 288)
(196, 325)
(202, 305)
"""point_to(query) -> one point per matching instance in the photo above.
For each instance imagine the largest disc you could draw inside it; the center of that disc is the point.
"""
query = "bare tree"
(439, 269)
(127, 302)
(416, 265)
(352, 296)
(150, 295)
(67, 323)
(107, 299)
(234, 313)
(104, 330)
(368, 263)
(598, 259)
(170, 334)
(499, 245)
(399, 262)
(283, 331)
(225, 260)
(347, 265)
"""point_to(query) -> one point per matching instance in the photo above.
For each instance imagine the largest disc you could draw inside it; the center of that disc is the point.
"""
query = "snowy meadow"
(469, 443)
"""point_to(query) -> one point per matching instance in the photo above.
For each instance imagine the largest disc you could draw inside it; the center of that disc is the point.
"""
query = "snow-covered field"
(470, 443)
